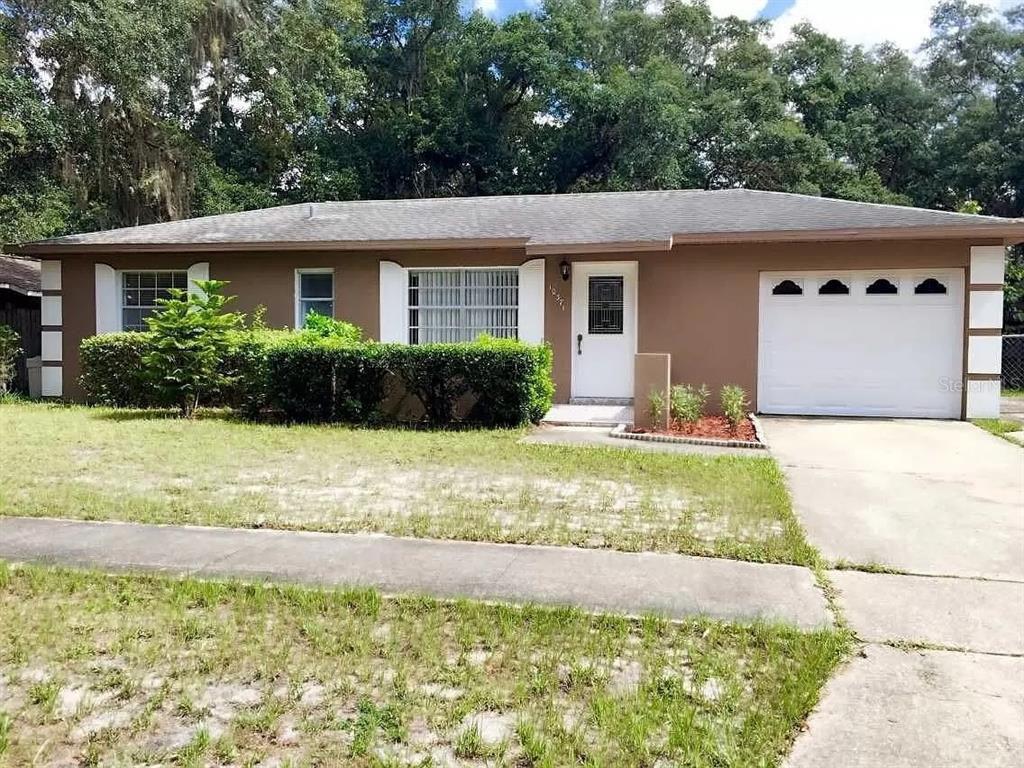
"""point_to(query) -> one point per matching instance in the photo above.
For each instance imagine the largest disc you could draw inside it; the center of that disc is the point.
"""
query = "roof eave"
(19, 289)
(51, 248)
(1009, 232)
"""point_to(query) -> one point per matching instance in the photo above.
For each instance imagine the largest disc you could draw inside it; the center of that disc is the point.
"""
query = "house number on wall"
(559, 298)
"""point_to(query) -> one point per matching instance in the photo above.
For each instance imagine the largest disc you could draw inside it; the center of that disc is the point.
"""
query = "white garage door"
(886, 343)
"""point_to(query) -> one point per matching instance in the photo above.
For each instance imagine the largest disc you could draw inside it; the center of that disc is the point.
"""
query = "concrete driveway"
(944, 500)
(926, 497)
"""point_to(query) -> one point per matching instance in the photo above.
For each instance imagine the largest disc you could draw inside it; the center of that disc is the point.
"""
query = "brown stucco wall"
(696, 302)
(263, 278)
(699, 303)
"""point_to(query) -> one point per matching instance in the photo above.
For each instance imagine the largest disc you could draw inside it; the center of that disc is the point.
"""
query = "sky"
(860, 22)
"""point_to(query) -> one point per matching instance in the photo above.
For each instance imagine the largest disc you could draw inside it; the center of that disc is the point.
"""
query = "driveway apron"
(940, 679)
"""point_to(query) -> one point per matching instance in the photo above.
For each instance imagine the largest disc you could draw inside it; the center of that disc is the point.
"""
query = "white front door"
(603, 328)
(864, 343)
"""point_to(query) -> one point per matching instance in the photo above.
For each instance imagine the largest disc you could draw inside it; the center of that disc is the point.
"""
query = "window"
(787, 288)
(451, 305)
(881, 286)
(834, 287)
(931, 285)
(140, 291)
(604, 310)
(314, 292)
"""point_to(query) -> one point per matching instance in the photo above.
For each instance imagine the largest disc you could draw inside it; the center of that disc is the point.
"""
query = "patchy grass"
(104, 464)
(1015, 393)
(999, 427)
(132, 670)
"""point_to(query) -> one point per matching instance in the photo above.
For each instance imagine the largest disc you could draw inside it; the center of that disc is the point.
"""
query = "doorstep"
(589, 415)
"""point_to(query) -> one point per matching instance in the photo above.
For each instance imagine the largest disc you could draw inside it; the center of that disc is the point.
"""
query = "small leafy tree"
(10, 349)
(191, 334)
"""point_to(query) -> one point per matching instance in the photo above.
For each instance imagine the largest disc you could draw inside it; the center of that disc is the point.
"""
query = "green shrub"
(687, 403)
(734, 403)
(324, 327)
(10, 349)
(112, 370)
(507, 383)
(307, 378)
(246, 370)
(656, 407)
(326, 381)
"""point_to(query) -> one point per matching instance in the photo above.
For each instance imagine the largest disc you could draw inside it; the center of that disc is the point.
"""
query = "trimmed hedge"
(113, 373)
(308, 378)
(326, 381)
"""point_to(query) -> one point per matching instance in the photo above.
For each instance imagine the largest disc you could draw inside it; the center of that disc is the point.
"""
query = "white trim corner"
(394, 300)
(108, 300)
(531, 301)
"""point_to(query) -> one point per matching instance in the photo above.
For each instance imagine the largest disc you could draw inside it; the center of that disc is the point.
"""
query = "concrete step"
(576, 415)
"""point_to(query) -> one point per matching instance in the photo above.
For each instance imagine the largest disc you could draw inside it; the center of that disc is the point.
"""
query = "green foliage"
(10, 350)
(190, 338)
(734, 403)
(113, 372)
(509, 381)
(686, 403)
(323, 327)
(210, 106)
(309, 378)
(327, 380)
(656, 406)
(489, 382)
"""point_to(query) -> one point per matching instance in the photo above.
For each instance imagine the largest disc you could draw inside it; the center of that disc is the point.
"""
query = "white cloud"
(744, 9)
(866, 22)
(486, 7)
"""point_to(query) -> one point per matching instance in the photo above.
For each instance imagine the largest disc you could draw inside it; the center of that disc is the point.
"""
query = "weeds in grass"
(44, 694)
(5, 732)
(999, 427)
(475, 485)
(403, 674)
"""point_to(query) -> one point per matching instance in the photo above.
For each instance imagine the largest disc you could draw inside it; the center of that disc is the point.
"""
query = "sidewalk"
(675, 586)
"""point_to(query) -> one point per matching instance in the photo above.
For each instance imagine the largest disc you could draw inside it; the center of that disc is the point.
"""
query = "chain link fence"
(1013, 361)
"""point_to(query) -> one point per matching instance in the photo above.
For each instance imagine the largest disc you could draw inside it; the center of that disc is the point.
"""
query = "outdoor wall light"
(565, 269)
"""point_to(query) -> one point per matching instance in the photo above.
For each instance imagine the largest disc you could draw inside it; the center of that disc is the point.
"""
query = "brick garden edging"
(621, 433)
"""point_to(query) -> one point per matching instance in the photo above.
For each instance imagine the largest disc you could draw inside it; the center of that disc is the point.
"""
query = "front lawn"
(143, 670)
(103, 464)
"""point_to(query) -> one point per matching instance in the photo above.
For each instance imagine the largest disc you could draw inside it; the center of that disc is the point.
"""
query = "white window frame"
(119, 282)
(299, 317)
(497, 268)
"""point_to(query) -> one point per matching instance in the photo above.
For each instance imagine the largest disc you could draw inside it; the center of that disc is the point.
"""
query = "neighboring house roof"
(547, 223)
(20, 275)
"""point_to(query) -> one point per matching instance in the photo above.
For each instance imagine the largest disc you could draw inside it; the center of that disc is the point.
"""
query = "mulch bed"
(716, 427)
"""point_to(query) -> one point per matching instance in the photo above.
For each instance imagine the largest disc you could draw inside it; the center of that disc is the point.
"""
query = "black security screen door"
(605, 305)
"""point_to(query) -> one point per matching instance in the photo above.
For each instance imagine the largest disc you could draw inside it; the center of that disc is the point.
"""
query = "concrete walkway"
(933, 498)
(675, 586)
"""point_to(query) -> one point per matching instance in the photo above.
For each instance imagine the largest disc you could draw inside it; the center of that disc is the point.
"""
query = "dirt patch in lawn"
(133, 670)
(473, 485)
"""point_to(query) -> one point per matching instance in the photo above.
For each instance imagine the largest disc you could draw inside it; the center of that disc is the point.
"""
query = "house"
(814, 306)
(19, 309)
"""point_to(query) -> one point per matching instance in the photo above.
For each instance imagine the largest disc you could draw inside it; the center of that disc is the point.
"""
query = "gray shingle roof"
(21, 275)
(539, 220)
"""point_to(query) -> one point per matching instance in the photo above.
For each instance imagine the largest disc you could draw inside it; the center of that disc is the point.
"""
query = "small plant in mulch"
(686, 406)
